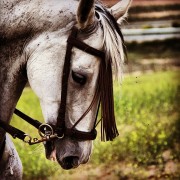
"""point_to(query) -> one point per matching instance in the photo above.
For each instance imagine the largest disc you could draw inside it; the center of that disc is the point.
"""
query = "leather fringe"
(108, 124)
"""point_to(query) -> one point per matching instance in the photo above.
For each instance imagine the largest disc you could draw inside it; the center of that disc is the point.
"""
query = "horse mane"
(113, 41)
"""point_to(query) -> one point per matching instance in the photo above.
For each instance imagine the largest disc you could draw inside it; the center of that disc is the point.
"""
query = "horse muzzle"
(67, 152)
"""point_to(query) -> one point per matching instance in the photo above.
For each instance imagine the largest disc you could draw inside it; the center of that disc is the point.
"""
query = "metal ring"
(35, 139)
(60, 137)
(45, 126)
(27, 140)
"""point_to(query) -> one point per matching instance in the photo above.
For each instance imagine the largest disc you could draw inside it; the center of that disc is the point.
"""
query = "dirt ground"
(168, 170)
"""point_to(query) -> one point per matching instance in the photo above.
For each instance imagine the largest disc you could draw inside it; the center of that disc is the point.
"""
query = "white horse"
(33, 42)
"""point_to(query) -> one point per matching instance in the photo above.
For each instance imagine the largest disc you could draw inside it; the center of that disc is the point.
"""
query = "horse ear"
(85, 13)
(120, 9)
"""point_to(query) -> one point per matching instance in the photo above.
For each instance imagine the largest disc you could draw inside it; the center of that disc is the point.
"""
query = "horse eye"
(79, 78)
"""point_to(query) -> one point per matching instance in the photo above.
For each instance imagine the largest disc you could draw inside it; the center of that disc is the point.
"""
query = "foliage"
(147, 118)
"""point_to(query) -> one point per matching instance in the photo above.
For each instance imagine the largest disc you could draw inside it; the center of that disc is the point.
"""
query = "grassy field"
(147, 113)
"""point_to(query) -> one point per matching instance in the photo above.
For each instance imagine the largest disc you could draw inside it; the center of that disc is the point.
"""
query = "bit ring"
(44, 127)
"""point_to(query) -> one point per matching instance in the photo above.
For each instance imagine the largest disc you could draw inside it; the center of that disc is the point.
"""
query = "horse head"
(46, 55)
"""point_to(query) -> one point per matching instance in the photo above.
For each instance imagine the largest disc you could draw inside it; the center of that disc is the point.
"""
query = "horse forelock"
(113, 41)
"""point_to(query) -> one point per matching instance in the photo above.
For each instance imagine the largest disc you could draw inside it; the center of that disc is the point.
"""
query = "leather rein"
(50, 132)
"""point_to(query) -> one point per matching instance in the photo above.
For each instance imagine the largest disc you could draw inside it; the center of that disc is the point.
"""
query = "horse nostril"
(70, 162)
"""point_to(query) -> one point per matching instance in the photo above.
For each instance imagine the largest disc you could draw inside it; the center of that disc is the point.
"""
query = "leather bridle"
(50, 132)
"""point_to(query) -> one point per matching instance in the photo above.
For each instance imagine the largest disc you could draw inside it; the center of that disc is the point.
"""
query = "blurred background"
(147, 106)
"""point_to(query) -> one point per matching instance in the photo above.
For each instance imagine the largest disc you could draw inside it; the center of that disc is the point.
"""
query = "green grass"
(147, 113)
(144, 109)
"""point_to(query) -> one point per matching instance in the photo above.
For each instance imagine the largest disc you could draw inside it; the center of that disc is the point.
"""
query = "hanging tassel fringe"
(108, 124)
